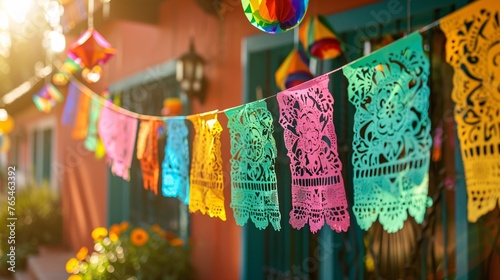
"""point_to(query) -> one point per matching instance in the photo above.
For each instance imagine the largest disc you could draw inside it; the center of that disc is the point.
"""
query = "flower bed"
(127, 252)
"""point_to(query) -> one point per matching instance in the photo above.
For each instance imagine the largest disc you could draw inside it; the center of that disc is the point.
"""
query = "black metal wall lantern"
(191, 74)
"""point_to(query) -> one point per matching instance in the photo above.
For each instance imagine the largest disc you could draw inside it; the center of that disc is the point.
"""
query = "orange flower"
(169, 235)
(124, 226)
(116, 229)
(157, 229)
(75, 277)
(82, 253)
(176, 242)
(99, 233)
(139, 237)
(71, 265)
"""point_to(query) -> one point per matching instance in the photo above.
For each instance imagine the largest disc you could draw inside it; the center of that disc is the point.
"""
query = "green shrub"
(39, 222)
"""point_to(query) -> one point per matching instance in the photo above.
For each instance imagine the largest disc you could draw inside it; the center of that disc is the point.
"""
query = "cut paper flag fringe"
(82, 118)
(69, 112)
(175, 166)
(319, 38)
(47, 98)
(293, 71)
(206, 179)
(473, 50)
(392, 141)
(306, 115)
(254, 193)
(147, 153)
(275, 16)
(118, 133)
(92, 133)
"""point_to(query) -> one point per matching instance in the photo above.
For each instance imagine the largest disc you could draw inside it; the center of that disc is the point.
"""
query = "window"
(41, 139)
(144, 94)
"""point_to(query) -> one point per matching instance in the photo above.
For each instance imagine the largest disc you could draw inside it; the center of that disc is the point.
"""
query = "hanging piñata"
(206, 192)
(306, 115)
(319, 38)
(91, 51)
(275, 16)
(473, 50)
(293, 71)
(392, 141)
(254, 193)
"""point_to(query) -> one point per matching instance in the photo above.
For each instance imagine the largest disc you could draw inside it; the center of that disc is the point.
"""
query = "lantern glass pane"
(189, 73)
(179, 75)
(199, 71)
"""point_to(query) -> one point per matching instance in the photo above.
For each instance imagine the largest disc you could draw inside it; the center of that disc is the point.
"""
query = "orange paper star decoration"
(91, 49)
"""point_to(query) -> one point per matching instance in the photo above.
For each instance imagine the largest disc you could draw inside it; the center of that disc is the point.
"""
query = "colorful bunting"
(306, 115)
(118, 133)
(391, 144)
(206, 180)
(275, 16)
(392, 138)
(47, 98)
(254, 192)
(473, 50)
(293, 71)
(147, 154)
(319, 38)
(175, 167)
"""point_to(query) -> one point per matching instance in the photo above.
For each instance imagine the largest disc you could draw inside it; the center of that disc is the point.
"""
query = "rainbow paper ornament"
(47, 98)
(275, 16)
(319, 38)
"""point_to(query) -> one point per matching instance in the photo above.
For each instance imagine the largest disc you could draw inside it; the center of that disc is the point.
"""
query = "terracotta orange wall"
(80, 177)
(84, 189)
(217, 246)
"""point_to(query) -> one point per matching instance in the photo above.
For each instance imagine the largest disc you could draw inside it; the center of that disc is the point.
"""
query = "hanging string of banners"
(391, 143)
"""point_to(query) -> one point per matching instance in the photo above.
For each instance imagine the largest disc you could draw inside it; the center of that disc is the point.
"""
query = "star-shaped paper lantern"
(47, 98)
(91, 49)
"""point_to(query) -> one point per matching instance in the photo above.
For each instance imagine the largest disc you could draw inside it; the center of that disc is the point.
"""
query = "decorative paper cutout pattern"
(175, 167)
(206, 180)
(118, 133)
(306, 115)
(254, 192)
(392, 138)
(147, 154)
(82, 118)
(473, 50)
(92, 135)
